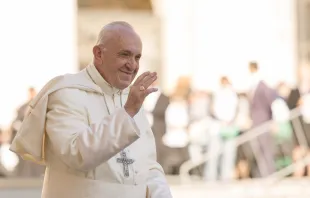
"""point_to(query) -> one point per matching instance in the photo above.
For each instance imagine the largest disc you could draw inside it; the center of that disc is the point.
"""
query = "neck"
(102, 75)
(100, 80)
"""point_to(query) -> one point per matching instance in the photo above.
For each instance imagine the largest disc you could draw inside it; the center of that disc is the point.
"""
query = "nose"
(131, 64)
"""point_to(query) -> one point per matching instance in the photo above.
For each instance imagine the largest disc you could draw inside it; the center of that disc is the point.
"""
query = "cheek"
(134, 76)
(136, 71)
(120, 63)
(137, 67)
(116, 66)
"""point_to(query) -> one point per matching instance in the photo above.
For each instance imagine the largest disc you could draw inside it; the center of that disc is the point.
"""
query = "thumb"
(150, 90)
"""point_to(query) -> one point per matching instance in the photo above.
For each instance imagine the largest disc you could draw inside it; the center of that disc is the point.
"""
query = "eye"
(138, 57)
(125, 54)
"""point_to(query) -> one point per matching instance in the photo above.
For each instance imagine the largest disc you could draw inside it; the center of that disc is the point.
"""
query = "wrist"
(130, 112)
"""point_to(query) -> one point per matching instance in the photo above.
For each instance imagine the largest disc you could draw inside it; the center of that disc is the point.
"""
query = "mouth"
(127, 73)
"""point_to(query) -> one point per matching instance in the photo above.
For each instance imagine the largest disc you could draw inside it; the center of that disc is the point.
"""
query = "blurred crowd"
(227, 134)
(231, 135)
(12, 165)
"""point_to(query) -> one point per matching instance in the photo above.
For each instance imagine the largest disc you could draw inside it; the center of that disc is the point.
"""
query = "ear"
(97, 52)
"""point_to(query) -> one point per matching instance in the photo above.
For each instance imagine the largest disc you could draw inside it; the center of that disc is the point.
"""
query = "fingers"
(149, 81)
(141, 77)
(146, 79)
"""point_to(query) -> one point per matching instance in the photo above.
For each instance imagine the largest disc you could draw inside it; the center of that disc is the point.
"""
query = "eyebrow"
(126, 51)
(129, 52)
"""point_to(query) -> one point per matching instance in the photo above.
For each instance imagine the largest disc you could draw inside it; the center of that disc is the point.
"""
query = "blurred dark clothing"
(159, 128)
(292, 102)
(261, 100)
(260, 104)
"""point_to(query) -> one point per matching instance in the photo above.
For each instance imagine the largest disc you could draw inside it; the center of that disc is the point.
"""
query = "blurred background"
(232, 117)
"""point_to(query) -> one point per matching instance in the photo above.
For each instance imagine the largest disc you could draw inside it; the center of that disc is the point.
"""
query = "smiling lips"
(127, 73)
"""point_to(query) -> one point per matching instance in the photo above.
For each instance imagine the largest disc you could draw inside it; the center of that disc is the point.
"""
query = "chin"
(123, 85)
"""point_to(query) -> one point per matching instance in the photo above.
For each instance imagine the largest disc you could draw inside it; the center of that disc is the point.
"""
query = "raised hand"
(139, 91)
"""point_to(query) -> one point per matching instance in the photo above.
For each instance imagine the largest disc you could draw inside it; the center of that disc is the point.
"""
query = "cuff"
(133, 123)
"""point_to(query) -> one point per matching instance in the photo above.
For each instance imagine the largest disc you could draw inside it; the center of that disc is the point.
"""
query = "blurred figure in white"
(177, 121)
(282, 129)
(8, 159)
(199, 105)
(155, 106)
(199, 126)
(224, 110)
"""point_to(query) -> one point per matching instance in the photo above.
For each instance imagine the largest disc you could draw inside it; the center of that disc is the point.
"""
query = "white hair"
(109, 30)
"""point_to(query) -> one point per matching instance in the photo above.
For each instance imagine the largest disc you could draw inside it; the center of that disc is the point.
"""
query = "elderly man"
(94, 137)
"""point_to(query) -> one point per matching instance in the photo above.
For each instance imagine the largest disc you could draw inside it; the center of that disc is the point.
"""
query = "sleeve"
(157, 184)
(78, 145)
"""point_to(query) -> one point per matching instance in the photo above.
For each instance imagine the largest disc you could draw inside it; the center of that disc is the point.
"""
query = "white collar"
(101, 82)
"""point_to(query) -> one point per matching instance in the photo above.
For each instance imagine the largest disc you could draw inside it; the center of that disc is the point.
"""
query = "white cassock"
(91, 147)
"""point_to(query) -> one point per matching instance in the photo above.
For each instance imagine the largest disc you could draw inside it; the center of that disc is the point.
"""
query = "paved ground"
(247, 189)
(289, 188)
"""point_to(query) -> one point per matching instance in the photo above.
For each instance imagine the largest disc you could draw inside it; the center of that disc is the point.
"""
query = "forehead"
(129, 41)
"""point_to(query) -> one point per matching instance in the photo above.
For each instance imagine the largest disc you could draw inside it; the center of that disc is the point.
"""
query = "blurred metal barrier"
(289, 169)
(248, 137)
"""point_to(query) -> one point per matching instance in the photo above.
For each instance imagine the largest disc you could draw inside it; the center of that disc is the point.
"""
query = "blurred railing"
(247, 137)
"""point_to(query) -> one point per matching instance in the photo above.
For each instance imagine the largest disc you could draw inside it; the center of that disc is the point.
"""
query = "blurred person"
(8, 159)
(156, 106)
(244, 122)
(183, 88)
(224, 110)
(261, 97)
(299, 97)
(198, 143)
(177, 121)
(25, 169)
(282, 129)
(3, 170)
(200, 122)
(98, 142)
(199, 105)
(21, 111)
